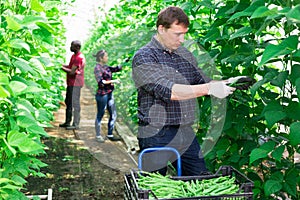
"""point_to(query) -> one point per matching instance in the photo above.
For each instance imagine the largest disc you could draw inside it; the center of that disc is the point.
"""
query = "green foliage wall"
(259, 132)
(31, 41)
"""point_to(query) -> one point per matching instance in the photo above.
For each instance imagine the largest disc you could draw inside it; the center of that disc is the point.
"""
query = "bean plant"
(31, 37)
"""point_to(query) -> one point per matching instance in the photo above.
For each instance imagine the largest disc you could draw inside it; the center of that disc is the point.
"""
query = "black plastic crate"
(132, 192)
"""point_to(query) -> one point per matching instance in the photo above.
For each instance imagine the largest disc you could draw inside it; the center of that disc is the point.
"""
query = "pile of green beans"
(165, 187)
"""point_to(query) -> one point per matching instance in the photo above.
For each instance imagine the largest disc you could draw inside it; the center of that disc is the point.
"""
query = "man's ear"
(160, 29)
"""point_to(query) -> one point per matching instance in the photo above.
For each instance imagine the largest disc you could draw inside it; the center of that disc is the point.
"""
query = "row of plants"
(256, 131)
(31, 41)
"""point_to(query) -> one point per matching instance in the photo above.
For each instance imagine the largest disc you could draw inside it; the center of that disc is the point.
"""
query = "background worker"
(104, 96)
(75, 81)
(168, 81)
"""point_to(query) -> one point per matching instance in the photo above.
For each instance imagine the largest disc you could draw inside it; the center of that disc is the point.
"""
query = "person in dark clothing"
(75, 81)
(104, 96)
(168, 81)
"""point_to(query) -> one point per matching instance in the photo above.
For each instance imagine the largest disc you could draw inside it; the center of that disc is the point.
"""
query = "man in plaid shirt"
(168, 81)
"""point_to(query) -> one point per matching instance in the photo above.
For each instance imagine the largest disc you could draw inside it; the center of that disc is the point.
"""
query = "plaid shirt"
(105, 73)
(155, 71)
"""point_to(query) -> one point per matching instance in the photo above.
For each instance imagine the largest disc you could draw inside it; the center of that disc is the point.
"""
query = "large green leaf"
(38, 66)
(295, 73)
(36, 6)
(4, 58)
(24, 66)
(271, 187)
(290, 183)
(294, 135)
(17, 86)
(278, 152)
(241, 32)
(24, 104)
(294, 14)
(35, 129)
(262, 151)
(273, 117)
(293, 110)
(19, 44)
(263, 12)
(26, 121)
(258, 154)
(3, 92)
(12, 23)
(281, 79)
(4, 79)
(287, 46)
(23, 142)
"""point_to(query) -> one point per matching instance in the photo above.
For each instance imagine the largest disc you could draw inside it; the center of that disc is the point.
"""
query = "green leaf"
(12, 24)
(3, 92)
(274, 116)
(263, 12)
(293, 110)
(298, 87)
(287, 46)
(4, 58)
(241, 32)
(257, 154)
(4, 79)
(295, 73)
(17, 86)
(270, 52)
(23, 66)
(25, 121)
(23, 104)
(212, 35)
(280, 79)
(38, 66)
(290, 183)
(35, 5)
(277, 153)
(19, 44)
(294, 14)
(21, 141)
(248, 11)
(36, 130)
(277, 176)
(271, 187)
(294, 135)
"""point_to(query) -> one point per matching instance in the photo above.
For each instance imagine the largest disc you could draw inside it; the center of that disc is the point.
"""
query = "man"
(75, 81)
(169, 81)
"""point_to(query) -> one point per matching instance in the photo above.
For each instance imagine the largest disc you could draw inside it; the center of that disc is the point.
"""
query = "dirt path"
(78, 166)
(112, 154)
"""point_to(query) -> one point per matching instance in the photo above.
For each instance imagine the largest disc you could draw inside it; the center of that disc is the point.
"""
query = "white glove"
(219, 89)
(234, 79)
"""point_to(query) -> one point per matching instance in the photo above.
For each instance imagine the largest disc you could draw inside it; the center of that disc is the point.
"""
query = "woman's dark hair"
(172, 14)
(99, 55)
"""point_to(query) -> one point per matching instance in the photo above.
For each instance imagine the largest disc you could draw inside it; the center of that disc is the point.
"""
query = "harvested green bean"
(165, 187)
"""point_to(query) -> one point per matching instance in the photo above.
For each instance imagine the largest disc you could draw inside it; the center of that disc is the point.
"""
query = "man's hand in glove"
(219, 89)
(241, 82)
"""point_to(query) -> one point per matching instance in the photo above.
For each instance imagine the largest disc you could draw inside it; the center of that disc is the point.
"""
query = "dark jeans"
(105, 102)
(181, 138)
(72, 101)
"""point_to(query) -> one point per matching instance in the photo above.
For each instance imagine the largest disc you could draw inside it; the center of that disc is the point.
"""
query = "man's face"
(73, 48)
(173, 37)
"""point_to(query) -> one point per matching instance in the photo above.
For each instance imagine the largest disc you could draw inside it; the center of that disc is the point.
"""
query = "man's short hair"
(172, 14)
(77, 43)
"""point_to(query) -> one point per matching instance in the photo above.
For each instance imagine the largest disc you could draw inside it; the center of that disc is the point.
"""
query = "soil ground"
(79, 167)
